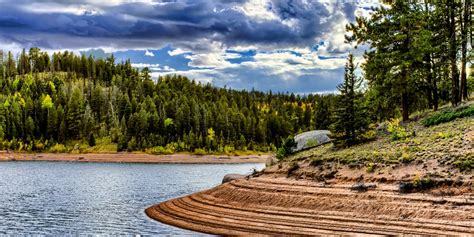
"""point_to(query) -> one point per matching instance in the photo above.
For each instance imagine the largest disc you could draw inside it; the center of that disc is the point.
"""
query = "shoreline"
(269, 205)
(133, 158)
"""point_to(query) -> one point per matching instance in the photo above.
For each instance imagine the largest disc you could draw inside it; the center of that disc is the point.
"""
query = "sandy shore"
(281, 206)
(134, 158)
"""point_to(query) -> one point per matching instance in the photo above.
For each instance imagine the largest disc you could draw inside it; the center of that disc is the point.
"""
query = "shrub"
(91, 140)
(199, 152)
(444, 135)
(448, 115)
(370, 167)
(465, 165)
(159, 150)
(397, 131)
(406, 158)
(58, 148)
(286, 147)
(39, 146)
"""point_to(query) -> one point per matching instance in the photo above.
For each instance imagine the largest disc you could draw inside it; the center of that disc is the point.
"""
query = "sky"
(280, 45)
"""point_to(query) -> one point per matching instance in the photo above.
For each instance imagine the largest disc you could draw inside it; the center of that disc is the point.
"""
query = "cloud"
(149, 54)
(279, 45)
(177, 51)
(128, 25)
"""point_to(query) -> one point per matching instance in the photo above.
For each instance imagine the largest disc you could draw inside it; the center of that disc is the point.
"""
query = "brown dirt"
(270, 205)
(133, 158)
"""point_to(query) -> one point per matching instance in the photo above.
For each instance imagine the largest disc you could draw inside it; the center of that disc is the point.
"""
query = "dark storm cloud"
(132, 25)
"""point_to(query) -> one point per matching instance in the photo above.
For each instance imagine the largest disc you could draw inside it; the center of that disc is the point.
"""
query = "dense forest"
(417, 59)
(68, 98)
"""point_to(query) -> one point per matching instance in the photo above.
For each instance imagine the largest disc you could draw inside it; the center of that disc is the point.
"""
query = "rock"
(270, 161)
(361, 187)
(311, 139)
(230, 177)
(405, 187)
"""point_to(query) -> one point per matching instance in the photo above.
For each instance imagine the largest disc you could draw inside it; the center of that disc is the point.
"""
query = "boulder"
(311, 139)
(230, 177)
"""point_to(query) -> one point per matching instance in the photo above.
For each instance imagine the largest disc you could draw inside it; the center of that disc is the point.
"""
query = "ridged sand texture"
(270, 206)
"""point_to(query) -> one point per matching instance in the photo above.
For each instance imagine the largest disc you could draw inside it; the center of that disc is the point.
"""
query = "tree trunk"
(465, 26)
(405, 107)
(435, 93)
(452, 56)
(429, 80)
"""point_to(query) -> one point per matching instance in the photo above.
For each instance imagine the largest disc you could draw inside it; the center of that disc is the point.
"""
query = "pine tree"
(350, 119)
(91, 139)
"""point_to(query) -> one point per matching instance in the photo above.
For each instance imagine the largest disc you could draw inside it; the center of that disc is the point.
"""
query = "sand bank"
(281, 206)
(134, 158)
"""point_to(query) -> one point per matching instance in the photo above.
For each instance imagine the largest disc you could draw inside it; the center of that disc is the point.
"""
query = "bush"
(159, 150)
(91, 140)
(465, 165)
(396, 131)
(370, 167)
(199, 152)
(286, 148)
(58, 148)
(39, 146)
(449, 115)
(406, 158)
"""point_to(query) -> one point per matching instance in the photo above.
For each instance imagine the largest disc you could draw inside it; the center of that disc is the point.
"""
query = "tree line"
(67, 98)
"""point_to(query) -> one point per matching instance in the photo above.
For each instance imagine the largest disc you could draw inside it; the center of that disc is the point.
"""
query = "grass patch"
(465, 164)
(448, 115)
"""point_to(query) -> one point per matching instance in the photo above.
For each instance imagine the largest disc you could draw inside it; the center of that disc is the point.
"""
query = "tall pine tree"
(350, 119)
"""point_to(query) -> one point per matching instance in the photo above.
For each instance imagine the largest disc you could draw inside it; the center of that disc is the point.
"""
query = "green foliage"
(350, 118)
(159, 150)
(65, 98)
(199, 152)
(370, 167)
(47, 102)
(448, 115)
(396, 131)
(413, 57)
(406, 158)
(466, 164)
(58, 148)
(286, 148)
(91, 140)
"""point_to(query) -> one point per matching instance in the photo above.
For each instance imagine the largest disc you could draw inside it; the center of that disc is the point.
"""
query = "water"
(54, 198)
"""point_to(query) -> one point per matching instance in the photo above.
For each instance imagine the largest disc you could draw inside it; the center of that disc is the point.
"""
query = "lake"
(58, 198)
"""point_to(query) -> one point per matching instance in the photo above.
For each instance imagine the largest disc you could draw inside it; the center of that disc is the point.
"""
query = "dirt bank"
(276, 206)
(134, 158)
(420, 185)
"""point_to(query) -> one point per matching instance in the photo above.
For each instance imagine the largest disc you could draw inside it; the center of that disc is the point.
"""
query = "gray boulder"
(311, 139)
(230, 177)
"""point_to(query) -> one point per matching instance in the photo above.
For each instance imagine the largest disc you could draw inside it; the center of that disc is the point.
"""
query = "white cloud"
(149, 53)
(177, 51)
(142, 65)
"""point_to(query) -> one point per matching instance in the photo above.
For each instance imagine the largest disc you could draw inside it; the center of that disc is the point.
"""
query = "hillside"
(412, 152)
(420, 184)
(70, 103)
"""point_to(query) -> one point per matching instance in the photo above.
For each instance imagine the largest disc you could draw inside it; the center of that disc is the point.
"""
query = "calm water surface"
(54, 198)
